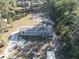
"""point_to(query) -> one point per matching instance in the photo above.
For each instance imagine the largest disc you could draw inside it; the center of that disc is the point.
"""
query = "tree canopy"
(66, 24)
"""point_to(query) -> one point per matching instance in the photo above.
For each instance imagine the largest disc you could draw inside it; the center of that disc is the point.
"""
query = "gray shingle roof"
(36, 31)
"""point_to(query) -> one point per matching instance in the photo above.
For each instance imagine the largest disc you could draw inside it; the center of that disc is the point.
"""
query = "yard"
(24, 21)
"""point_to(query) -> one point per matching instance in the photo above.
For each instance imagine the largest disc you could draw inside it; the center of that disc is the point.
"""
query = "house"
(23, 3)
(36, 31)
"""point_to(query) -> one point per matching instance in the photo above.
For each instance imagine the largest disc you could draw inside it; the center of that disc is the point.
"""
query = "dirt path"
(25, 21)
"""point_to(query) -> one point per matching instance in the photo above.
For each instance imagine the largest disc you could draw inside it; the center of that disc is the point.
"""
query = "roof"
(35, 31)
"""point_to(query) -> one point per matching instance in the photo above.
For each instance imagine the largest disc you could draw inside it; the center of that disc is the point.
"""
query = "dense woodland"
(64, 13)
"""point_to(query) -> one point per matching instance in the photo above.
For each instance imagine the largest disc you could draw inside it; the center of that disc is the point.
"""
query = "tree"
(8, 10)
(63, 15)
